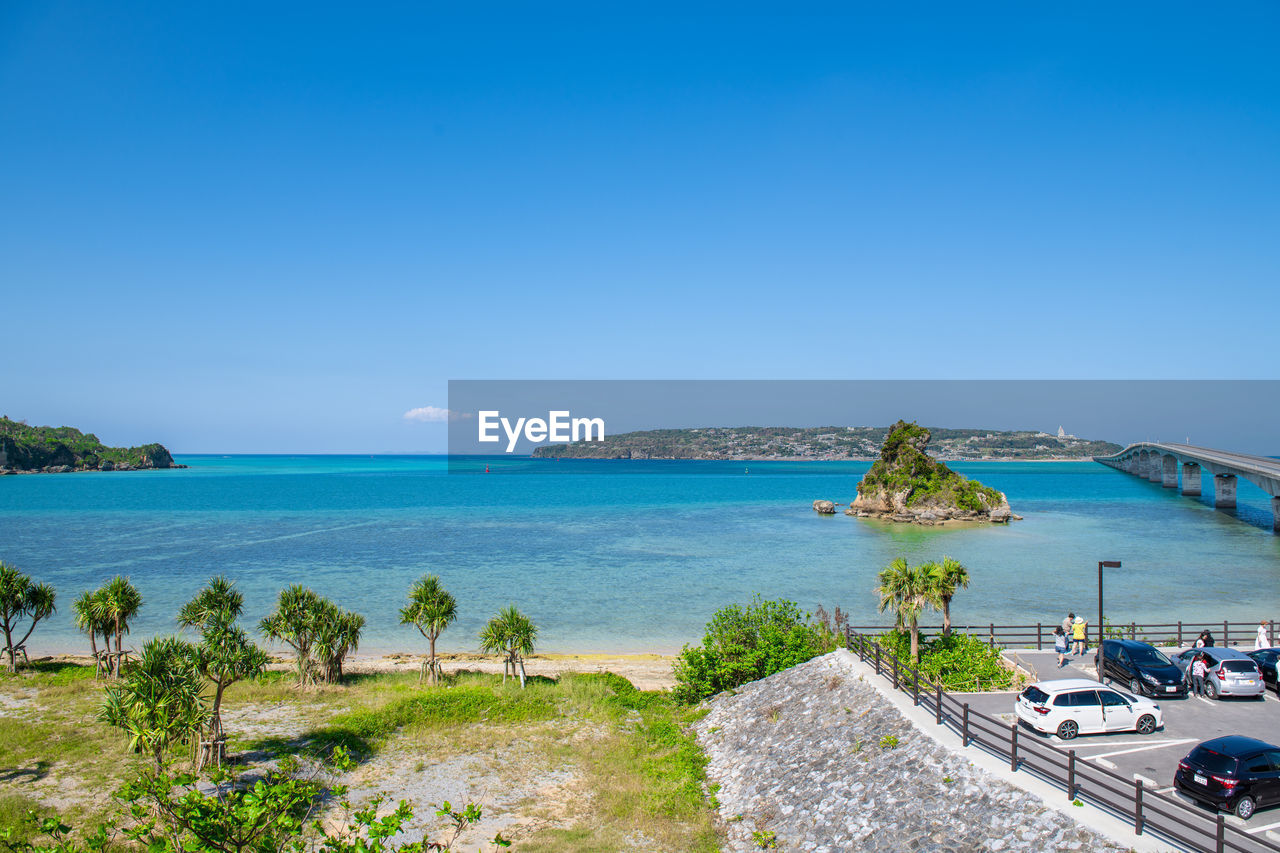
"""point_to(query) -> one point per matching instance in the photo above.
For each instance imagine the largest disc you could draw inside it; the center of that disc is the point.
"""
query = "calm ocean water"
(618, 556)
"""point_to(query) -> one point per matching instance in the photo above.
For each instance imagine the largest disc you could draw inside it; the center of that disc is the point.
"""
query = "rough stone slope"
(822, 760)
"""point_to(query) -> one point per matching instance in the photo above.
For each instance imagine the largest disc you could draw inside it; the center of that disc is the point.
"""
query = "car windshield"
(1035, 694)
(1239, 666)
(1214, 762)
(1266, 656)
(1149, 657)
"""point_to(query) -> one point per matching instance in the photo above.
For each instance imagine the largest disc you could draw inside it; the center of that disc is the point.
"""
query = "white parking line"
(1144, 742)
(1141, 748)
(1254, 830)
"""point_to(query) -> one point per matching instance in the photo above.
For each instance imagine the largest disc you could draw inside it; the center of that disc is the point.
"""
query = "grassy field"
(583, 762)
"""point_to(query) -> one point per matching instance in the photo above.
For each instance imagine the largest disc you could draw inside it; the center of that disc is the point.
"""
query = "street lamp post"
(1103, 564)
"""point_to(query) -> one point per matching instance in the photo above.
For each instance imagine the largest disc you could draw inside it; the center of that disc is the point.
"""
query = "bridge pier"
(1191, 479)
(1170, 480)
(1155, 469)
(1224, 491)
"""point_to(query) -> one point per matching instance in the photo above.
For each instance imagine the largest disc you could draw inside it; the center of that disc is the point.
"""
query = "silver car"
(1231, 672)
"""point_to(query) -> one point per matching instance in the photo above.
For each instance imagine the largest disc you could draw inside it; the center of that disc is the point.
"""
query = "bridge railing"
(1040, 634)
(1187, 826)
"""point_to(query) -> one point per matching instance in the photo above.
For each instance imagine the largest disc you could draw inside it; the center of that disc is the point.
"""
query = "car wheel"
(1135, 687)
(1068, 729)
(1146, 724)
(1211, 690)
(1245, 807)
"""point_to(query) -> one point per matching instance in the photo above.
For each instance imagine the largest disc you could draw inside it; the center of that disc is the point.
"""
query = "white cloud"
(429, 415)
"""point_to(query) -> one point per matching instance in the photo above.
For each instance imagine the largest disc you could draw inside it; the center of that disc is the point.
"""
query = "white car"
(1078, 706)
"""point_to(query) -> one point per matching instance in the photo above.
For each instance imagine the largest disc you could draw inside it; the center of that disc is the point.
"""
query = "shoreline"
(646, 670)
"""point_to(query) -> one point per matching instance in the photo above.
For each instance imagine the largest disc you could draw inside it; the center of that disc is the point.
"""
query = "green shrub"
(960, 662)
(745, 644)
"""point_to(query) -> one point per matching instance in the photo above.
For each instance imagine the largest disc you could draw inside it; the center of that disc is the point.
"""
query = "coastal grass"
(635, 774)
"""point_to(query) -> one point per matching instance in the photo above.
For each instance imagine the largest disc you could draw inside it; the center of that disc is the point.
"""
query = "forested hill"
(28, 449)
(831, 442)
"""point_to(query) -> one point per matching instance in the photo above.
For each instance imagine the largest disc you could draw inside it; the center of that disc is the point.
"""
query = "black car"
(1266, 660)
(1141, 667)
(1233, 773)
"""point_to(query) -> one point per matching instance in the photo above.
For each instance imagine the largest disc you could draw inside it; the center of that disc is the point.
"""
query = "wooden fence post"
(937, 699)
(1220, 840)
(1039, 646)
(915, 688)
(1226, 633)
(1071, 775)
(1133, 631)
(964, 728)
(1137, 806)
(877, 658)
(895, 672)
(1179, 632)
(1013, 748)
(991, 631)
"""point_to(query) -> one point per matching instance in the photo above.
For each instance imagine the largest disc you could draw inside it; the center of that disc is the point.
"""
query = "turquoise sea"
(618, 556)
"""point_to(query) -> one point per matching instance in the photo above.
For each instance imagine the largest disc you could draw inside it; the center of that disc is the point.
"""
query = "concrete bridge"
(1161, 463)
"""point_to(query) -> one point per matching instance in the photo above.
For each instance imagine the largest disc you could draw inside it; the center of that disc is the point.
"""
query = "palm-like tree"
(219, 603)
(431, 609)
(225, 654)
(512, 634)
(909, 591)
(118, 601)
(89, 619)
(159, 702)
(948, 576)
(21, 599)
(296, 622)
(339, 636)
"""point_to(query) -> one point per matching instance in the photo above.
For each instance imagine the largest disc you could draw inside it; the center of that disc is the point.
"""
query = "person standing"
(1060, 645)
(1198, 672)
(1066, 624)
(1262, 641)
(1078, 635)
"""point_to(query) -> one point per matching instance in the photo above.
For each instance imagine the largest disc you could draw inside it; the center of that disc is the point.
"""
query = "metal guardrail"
(1040, 635)
(1163, 816)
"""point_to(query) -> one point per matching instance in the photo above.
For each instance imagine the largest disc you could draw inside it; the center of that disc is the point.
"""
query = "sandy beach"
(645, 671)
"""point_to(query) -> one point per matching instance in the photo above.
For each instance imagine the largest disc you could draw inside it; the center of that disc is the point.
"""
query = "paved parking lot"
(1154, 758)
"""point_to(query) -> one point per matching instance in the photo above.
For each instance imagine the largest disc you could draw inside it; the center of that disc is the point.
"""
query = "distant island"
(55, 450)
(826, 443)
(904, 484)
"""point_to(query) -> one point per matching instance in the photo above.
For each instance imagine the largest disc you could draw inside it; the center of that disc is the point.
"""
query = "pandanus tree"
(431, 609)
(511, 634)
(339, 636)
(225, 654)
(948, 577)
(159, 702)
(90, 619)
(320, 633)
(23, 604)
(908, 591)
(117, 602)
(296, 622)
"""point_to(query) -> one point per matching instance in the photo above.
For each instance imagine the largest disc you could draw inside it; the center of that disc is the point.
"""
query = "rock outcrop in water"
(907, 485)
(56, 450)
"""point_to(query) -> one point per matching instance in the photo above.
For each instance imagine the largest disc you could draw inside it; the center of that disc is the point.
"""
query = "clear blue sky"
(257, 227)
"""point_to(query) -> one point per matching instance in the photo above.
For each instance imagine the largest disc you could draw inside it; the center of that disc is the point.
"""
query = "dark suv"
(1233, 773)
(1141, 667)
